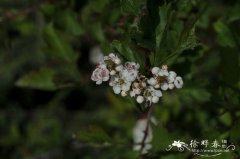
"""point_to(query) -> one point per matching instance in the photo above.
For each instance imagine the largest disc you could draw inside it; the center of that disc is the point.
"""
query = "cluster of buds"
(125, 79)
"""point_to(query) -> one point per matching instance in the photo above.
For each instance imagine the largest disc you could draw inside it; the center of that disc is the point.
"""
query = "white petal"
(110, 83)
(105, 78)
(160, 73)
(113, 72)
(111, 54)
(172, 74)
(124, 73)
(140, 99)
(116, 89)
(125, 87)
(155, 99)
(137, 66)
(178, 82)
(152, 81)
(116, 79)
(171, 86)
(117, 61)
(158, 93)
(132, 94)
(135, 84)
(102, 66)
(171, 79)
(143, 84)
(164, 86)
(155, 70)
(165, 73)
(99, 82)
(119, 68)
(137, 91)
(157, 86)
(124, 94)
(149, 99)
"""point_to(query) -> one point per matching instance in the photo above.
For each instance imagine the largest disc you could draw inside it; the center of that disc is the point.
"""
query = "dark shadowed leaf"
(42, 79)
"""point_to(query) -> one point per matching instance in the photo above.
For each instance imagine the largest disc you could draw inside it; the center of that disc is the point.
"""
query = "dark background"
(49, 108)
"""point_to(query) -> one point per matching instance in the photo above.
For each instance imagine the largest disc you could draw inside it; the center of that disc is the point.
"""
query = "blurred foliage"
(51, 110)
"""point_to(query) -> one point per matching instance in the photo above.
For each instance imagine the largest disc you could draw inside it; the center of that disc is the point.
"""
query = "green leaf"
(57, 46)
(226, 119)
(173, 35)
(229, 65)
(131, 6)
(225, 37)
(193, 95)
(97, 31)
(94, 135)
(162, 26)
(162, 138)
(42, 79)
(123, 49)
(72, 24)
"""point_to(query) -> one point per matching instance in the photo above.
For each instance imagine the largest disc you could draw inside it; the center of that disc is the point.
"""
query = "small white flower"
(158, 93)
(111, 83)
(163, 72)
(143, 84)
(170, 79)
(117, 61)
(152, 81)
(113, 72)
(131, 66)
(140, 99)
(155, 99)
(119, 68)
(130, 71)
(124, 94)
(150, 92)
(112, 57)
(157, 86)
(164, 67)
(160, 72)
(172, 74)
(164, 86)
(116, 89)
(119, 84)
(126, 86)
(178, 82)
(132, 94)
(155, 70)
(100, 74)
(128, 76)
(137, 91)
(171, 86)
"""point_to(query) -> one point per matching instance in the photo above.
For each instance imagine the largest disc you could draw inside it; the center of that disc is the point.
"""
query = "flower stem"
(147, 114)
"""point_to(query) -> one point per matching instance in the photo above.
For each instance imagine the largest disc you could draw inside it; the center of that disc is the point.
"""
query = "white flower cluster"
(125, 79)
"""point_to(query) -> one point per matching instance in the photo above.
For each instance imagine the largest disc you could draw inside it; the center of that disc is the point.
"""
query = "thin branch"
(147, 114)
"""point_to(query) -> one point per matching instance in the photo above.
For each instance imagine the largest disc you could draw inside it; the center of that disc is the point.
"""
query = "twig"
(147, 114)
